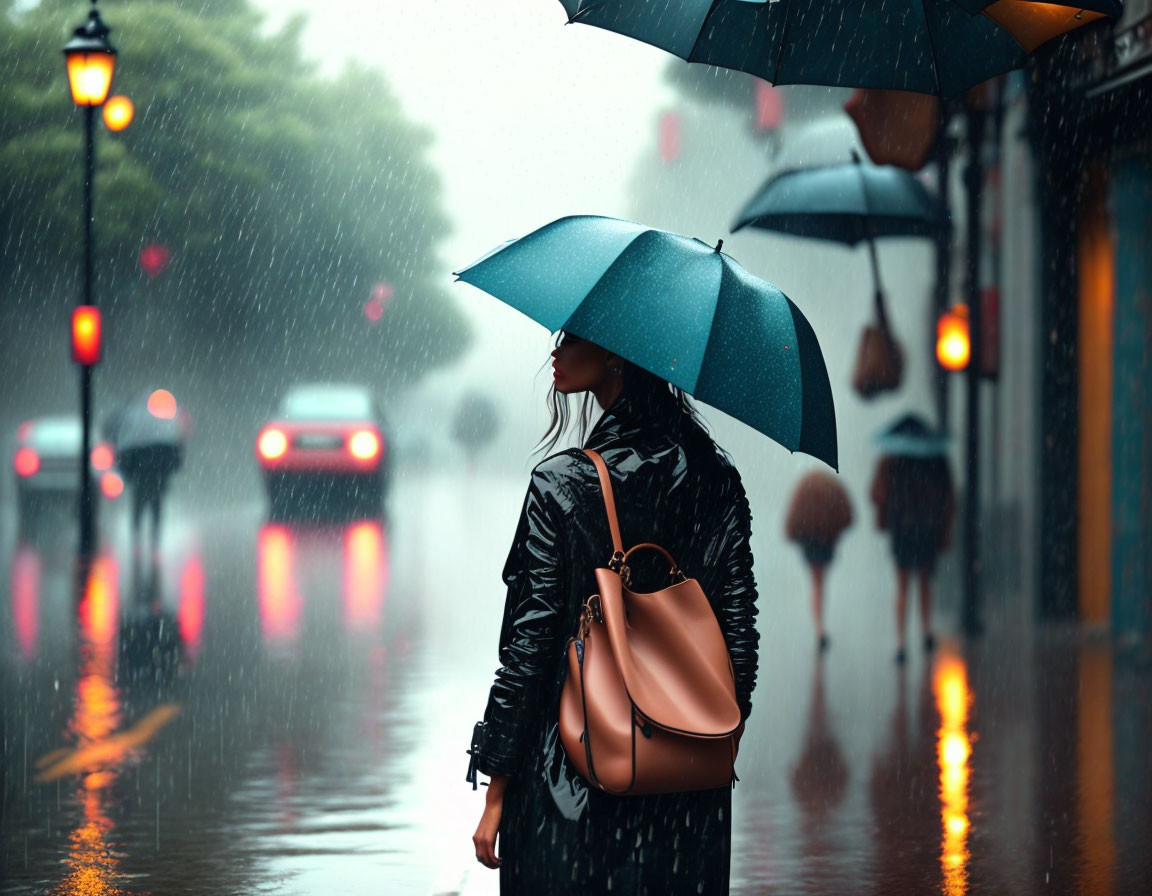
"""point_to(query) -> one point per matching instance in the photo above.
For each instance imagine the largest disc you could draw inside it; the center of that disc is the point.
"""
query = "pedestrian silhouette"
(819, 513)
(914, 499)
(149, 435)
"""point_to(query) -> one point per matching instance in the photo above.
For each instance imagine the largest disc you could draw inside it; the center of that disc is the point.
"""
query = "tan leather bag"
(879, 358)
(649, 704)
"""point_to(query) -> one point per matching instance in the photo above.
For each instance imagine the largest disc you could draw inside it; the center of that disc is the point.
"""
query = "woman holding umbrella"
(645, 318)
(914, 499)
(674, 486)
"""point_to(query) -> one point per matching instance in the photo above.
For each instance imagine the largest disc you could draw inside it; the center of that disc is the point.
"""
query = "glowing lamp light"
(91, 60)
(118, 113)
(364, 444)
(272, 444)
(26, 462)
(953, 343)
(111, 485)
(86, 334)
(373, 310)
(162, 405)
(154, 258)
(102, 457)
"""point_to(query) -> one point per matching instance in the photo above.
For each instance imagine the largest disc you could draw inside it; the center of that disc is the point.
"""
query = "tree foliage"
(282, 196)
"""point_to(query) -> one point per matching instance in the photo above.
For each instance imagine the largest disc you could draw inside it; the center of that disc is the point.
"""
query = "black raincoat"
(672, 487)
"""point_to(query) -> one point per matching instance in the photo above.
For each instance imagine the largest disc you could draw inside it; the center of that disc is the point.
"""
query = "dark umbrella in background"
(850, 204)
(940, 47)
(680, 309)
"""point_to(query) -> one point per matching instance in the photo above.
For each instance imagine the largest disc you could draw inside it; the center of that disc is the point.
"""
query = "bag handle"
(609, 502)
(619, 559)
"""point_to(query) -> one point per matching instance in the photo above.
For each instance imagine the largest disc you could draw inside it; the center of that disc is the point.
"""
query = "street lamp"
(953, 342)
(91, 61)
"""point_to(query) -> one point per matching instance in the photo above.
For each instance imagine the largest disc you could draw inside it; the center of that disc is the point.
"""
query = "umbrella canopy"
(926, 46)
(844, 203)
(911, 436)
(680, 309)
(820, 509)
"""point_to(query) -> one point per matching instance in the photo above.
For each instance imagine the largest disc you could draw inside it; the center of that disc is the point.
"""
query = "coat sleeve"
(531, 635)
(736, 602)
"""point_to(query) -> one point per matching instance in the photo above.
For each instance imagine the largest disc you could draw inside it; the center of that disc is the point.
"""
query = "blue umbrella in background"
(911, 436)
(928, 46)
(680, 309)
(846, 204)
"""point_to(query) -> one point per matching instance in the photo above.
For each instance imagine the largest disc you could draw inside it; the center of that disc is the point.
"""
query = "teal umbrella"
(680, 309)
(847, 204)
(926, 46)
(911, 436)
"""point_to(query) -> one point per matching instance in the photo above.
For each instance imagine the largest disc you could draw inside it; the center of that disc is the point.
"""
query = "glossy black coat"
(672, 487)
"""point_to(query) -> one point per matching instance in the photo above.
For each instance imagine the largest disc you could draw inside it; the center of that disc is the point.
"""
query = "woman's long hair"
(649, 395)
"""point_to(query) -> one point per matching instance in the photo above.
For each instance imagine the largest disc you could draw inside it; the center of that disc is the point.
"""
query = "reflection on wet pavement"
(950, 683)
(283, 709)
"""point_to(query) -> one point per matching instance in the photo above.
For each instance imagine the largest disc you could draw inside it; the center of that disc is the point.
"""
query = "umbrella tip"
(719, 244)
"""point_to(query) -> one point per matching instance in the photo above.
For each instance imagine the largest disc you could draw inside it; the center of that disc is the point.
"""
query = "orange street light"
(953, 342)
(91, 61)
(118, 112)
(86, 337)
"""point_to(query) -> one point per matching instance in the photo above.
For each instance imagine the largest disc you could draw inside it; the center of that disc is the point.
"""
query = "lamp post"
(91, 60)
(974, 184)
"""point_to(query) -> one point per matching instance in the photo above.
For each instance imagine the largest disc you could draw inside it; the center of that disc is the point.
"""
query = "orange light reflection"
(93, 862)
(279, 600)
(954, 750)
(365, 575)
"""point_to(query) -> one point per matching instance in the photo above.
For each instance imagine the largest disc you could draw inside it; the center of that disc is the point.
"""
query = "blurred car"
(45, 462)
(326, 450)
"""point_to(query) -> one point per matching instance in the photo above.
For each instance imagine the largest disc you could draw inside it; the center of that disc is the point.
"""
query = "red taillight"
(111, 485)
(364, 444)
(26, 462)
(272, 444)
(102, 457)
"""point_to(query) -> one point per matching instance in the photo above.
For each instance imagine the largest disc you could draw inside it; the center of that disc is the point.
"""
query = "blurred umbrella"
(1035, 22)
(845, 204)
(928, 46)
(680, 309)
(820, 510)
(896, 127)
(910, 436)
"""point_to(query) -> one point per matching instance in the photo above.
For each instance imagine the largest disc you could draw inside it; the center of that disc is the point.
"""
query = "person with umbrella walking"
(818, 515)
(587, 278)
(915, 502)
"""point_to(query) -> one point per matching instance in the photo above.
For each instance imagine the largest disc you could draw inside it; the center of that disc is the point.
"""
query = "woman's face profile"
(579, 365)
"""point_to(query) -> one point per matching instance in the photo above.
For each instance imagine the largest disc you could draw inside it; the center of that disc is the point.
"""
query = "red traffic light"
(86, 335)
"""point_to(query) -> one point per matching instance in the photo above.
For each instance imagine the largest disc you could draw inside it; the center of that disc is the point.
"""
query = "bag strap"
(609, 502)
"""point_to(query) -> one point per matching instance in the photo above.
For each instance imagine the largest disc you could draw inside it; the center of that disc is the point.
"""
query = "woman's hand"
(485, 837)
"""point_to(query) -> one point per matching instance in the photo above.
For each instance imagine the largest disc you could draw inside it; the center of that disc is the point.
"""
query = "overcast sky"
(534, 119)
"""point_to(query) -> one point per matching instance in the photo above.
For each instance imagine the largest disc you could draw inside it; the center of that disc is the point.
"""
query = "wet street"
(280, 708)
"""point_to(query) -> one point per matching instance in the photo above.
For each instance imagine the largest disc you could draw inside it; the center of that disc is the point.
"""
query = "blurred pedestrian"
(915, 502)
(149, 435)
(819, 513)
(558, 833)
